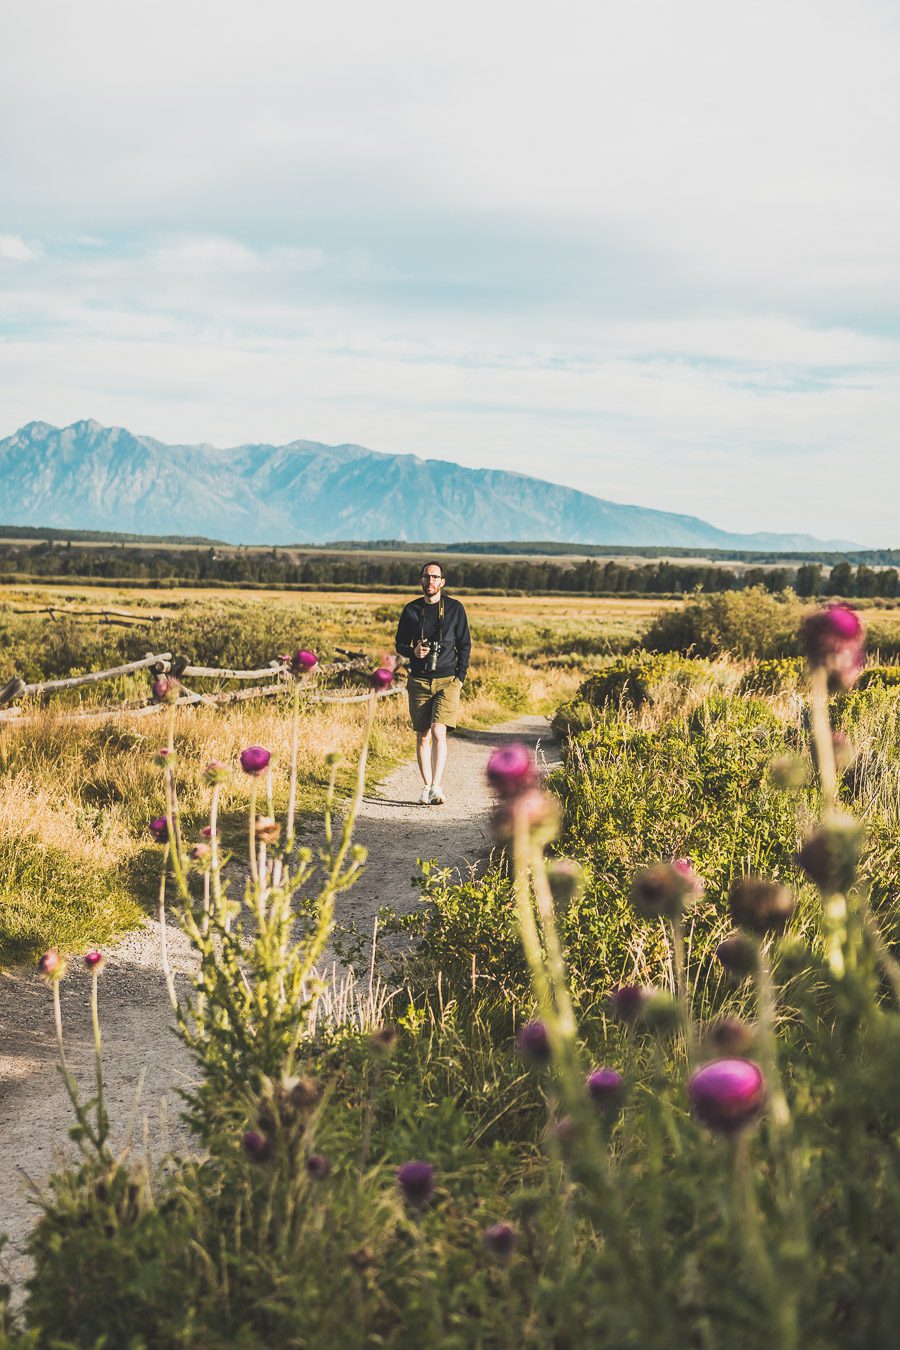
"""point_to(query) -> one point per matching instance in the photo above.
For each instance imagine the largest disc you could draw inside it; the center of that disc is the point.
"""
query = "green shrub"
(772, 676)
(632, 682)
(748, 623)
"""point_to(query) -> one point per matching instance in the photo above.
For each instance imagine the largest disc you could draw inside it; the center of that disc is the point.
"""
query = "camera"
(431, 660)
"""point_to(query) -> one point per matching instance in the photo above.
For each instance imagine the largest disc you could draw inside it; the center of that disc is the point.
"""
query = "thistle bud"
(760, 906)
(255, 760)
(606, 1088)
(215, 772)
(830, 856)
(660, 891)
(732, 1037)
(416, 1181)
(382, 678)
(94, 962)
(511, 770)
(727, 1094)
(256, 1146)
(565, 878)
(159, 828)
(533, 1041)
(738, 954)
(627, 1003)
(500, 1240)
(166, 758)
(834, 640)
(165, 689)
(662, 1014)
(201, 854)
(317, 1166)
(51, 965)
(266, 830)
(383, 1040)
(536, 810)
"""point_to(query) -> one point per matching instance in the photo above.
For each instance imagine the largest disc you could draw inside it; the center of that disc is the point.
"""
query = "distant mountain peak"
(92, 477)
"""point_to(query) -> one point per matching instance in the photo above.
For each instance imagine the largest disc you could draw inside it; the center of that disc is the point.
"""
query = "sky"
(648, 250)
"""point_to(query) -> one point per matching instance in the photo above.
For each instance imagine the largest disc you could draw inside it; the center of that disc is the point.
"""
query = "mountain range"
(88, 476)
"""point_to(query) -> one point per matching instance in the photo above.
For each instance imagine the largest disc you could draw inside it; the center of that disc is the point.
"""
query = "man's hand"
(421, 649)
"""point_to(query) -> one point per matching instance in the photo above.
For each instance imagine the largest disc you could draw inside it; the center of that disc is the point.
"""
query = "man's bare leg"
(425, 756)
(438, 756)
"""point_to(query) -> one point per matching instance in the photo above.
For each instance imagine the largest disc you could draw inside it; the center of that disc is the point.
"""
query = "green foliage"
(881, 677)
(632, 682)
(772, 676)
(749, 623)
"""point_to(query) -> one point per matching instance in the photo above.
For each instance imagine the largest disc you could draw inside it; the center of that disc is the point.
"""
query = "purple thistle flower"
(500, 1240)
(165, 689)
(511, 770)
(536, 809)
(834, 640)
(256, 1146)
(606, 1088)
(627, 1003)
(159, 828)
(255, 760)
(759, 905)
(416, 1181)
(318, 1166)
(660, 891)
(303, 661)
(94, 962)
(51, 965)
(382, 678)
(534, 1042)
(732, 1037)
(728, 1094)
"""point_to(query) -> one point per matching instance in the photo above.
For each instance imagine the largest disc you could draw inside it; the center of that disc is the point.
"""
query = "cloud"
(14, 249)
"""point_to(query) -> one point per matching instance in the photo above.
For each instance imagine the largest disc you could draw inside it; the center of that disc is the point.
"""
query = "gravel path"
(141, 1052)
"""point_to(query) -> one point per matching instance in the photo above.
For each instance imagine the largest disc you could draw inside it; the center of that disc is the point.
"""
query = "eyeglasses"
(432, 576)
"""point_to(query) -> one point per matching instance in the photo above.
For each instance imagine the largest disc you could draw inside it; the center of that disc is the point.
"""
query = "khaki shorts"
(433, 700)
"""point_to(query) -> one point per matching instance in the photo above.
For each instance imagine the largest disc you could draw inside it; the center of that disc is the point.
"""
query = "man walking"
(433, 635)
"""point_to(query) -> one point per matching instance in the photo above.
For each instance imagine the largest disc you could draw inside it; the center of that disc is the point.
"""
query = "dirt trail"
(139, 1044)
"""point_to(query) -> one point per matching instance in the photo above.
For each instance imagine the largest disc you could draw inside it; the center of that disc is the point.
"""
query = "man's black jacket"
(421, 620)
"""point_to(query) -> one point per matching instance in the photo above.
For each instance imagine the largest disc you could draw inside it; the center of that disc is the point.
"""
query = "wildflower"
(511, 770)
(382, 678)
(661, 1013)
(829, 857)
(606, 1087)
(51, 965)
(534, 1042)
(267, 830)
(627, 1003)
(207, 832)
(318, 1166)
(201, 854)
(732, 1036)
(166, 758)
(761, 906)
(165, 689)
(159, 828)
(696, 885)
(834, 640)
(566, 880)
(416, 1181)
(215, 772)
(255, 760)
(727, 1094)
(256, 1146)
(303, 661)
(536, 810)
(737, 954)
(661, 891)
(500, 1240)
(94, 962)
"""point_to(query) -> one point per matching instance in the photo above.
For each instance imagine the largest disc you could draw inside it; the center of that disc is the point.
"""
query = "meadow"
(640, 1087)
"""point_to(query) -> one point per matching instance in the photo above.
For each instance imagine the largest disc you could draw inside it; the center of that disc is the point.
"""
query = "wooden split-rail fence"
(276, 677)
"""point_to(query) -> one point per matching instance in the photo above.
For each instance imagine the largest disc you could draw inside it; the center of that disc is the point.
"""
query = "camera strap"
(440, 627)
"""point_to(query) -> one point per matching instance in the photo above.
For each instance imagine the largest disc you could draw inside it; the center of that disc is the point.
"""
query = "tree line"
(281, 567)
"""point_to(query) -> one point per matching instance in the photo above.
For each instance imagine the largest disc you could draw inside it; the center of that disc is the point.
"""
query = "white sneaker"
(437, 795)
(425, 795)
